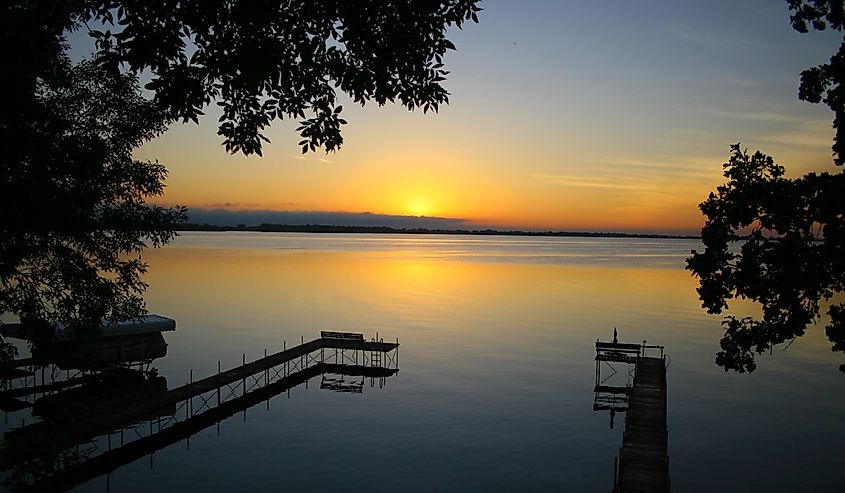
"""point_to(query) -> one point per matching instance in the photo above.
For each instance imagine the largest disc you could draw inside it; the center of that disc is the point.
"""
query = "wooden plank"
(38, 389)
(608, 389)
(618, 346)
(618, 358)
(341, 335)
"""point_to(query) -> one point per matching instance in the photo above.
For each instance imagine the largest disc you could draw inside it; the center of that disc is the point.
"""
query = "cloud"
(750, 115)
(808, 133)
(588, 181)
(243, 206)
(707, 39)
(227, 217)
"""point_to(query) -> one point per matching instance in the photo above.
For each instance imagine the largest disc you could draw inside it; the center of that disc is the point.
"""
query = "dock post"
(218, 382)
(615, 466)
(191, 401)
(598, 374)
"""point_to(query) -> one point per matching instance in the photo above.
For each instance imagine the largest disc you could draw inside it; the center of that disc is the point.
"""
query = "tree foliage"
(824, 83)
(73, 211)
(263, 60)
(776, 241)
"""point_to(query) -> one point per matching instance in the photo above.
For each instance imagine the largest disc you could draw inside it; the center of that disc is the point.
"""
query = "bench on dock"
(618, 351)
(347, 336)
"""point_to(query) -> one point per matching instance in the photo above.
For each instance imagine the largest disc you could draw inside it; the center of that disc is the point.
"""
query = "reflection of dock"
(183, 411)
(643, 464)
(111, 459)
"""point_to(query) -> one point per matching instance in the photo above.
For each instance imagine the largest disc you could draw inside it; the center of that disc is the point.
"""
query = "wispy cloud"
(589, 182)
(649, 167)
(707, 39)
(806, 133)
(750, 115)
(245, 206)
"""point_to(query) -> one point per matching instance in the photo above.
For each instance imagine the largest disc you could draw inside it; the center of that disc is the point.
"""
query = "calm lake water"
(495, 388)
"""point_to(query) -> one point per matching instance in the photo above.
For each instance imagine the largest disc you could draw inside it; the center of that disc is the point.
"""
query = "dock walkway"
(644, 461)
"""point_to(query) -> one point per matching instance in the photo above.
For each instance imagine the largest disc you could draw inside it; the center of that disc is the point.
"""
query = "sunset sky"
(603, 116)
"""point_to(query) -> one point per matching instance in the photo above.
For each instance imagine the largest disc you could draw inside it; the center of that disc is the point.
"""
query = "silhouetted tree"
(824, 83)
(73, 218)
(776, 241)
(263, 60)
(73, 212)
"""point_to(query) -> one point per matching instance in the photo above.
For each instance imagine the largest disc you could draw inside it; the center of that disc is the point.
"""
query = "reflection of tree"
(30, 455)
(790, 232)
(788, 275)
(52, 462)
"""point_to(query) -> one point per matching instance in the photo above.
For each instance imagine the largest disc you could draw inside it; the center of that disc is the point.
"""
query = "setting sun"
(419, 206)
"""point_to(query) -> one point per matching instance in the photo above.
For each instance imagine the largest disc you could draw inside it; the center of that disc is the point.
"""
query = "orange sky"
(557, 128)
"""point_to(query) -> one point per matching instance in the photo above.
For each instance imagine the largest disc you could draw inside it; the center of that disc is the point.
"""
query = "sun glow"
(419, 206)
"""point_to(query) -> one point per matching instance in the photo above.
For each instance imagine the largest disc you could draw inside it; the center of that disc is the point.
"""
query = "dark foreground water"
(494, 391)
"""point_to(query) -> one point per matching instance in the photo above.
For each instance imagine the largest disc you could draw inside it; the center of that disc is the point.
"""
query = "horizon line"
(352, 229)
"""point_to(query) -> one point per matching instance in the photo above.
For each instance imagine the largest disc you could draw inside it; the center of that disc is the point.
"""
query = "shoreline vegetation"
(322, 228)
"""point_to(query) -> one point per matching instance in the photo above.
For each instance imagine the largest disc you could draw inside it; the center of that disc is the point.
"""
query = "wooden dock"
(328, 349)
(644, 460)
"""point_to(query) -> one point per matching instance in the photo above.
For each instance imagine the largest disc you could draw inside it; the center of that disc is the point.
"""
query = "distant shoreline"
(320, 228)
